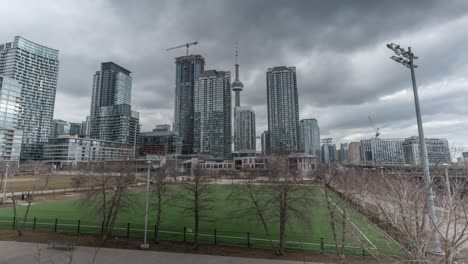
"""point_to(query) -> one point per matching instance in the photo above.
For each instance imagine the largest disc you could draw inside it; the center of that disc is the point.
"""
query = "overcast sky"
(338, 47)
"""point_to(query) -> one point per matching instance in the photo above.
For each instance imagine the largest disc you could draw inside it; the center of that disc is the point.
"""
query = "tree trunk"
(158, 218)
(197, 220)
(283, 207)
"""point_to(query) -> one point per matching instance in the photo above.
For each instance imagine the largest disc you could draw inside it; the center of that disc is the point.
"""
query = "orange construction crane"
(187, 45)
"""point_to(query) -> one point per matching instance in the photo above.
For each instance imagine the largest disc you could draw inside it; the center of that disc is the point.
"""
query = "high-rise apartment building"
(111, 116)
(265, 139)
(283, 109)
(160, 141)
(244, 129)
(379, 152)
(354, 153)
(212, 114)
(437, 151)
(188, 70)
(310, 136)
(329, 153)
(36, 68)
(343, 153)
(10, 134)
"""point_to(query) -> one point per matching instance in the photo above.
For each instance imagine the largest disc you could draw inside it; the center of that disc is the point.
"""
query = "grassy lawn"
(229, 230)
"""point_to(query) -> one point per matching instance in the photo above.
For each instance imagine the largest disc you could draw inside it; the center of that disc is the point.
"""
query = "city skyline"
(339, 85)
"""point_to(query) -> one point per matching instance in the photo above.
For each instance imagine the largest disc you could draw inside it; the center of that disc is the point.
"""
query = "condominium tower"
(36, 68)
(212, 114)
(111, 116)
(188, 70)
(310, 136)
(283, 109)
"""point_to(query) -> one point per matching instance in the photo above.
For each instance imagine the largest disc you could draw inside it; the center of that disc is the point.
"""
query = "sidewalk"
(19, 253)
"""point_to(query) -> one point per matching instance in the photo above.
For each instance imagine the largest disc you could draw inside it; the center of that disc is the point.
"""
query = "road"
(20, 253)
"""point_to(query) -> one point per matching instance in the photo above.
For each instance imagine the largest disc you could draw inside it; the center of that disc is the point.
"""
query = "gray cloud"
(337, 47)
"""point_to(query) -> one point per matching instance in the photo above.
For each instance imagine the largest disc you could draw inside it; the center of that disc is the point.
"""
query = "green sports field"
(223, 229)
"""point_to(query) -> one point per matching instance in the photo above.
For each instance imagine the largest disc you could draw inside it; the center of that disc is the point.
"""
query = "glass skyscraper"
(111, 116)
(10, 107)
(310, 136)
(36, 69)
(212, 122)
(283, 109)
(188, 70)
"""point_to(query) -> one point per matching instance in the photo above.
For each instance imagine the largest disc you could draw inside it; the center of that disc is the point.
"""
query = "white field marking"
(362, 234)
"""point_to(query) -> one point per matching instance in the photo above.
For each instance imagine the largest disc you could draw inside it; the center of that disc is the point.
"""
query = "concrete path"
(20, 253)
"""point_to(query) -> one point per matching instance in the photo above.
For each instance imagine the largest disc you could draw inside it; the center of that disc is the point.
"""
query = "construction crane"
(187, 45)
(376, 130)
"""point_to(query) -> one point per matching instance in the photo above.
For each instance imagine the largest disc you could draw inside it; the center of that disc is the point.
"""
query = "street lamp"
(145, 245)
(5, 184)
(447, 180)
(406, 58)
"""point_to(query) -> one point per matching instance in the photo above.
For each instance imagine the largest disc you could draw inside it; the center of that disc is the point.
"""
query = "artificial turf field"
(244, 231)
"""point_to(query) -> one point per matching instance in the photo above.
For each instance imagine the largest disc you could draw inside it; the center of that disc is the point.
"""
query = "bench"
(61, 244)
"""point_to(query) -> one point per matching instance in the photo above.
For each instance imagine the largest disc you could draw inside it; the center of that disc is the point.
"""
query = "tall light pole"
(406, 58)
(5, 184)
(145, 244)
(447, 180)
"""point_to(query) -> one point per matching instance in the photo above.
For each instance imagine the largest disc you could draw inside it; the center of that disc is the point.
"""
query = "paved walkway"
(20, 253)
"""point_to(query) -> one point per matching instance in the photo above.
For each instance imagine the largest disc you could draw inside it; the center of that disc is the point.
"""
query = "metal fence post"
(215, 236)
(55, 227)
(184, 234)
(248, 239)
(128, 230)
(363, 252)
(79, 224)
(14, 221)
(102, 228)
(34, 224)
(321, 244)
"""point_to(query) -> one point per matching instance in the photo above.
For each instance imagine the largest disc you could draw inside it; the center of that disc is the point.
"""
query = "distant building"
(310, 136)
(283, 109)
(10, 134)
(437, 151)
(354, 153)
(188, 70)
(244, 129)
(265, 139)
(75, 129)
(329, 153)
(161, 141)
(212, 114)
(112, 118)
(162, 128)
(72, 149)
(343, 153)
(36, 69)
(302, 162)
(382, 152)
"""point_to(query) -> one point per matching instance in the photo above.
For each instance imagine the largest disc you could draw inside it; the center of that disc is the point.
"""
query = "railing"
(184, 234)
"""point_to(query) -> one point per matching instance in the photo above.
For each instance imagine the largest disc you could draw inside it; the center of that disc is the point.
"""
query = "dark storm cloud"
(337, 46)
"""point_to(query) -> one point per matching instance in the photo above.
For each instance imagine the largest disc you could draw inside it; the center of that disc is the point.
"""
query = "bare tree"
(37, 169)
(110, 193)
(280, 199)
(196, 199)
(159, 188)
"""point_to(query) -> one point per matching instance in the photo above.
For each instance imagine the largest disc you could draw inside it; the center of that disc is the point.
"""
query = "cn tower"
(237, 85)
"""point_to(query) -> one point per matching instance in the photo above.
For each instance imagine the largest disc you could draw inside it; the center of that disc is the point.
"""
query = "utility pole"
(406, 58)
